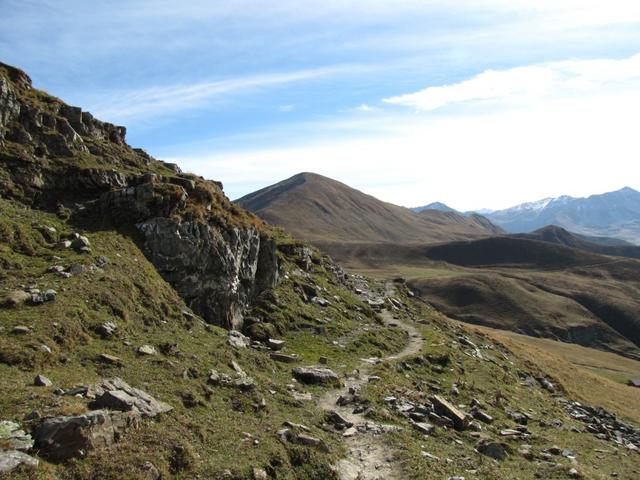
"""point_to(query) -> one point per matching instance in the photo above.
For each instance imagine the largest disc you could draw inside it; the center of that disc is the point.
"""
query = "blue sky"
(483, 103)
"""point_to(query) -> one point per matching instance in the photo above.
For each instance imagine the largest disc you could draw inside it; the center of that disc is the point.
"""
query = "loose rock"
(237, 339)
(315, 375)
(42, 381)
(284, 358)
(491, 449)
(443, 407)
(146, 350)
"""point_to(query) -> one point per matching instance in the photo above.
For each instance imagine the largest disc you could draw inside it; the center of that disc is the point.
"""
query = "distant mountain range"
(550, 282)
(613, 214)
(320, 209)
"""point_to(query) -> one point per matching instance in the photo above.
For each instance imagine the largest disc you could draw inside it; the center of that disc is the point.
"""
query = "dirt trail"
(369, 457)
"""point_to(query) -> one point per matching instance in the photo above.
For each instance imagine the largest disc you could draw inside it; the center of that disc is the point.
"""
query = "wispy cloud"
(525, 84)
(154, 101)
(363, 107)
(562, 117)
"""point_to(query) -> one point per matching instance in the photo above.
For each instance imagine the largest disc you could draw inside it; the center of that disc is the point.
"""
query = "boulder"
(338, 420)
(62, 438)
(260, 474)
(237, 339)
(110, 359)
(146, 350)
(14, 442)
(12, 437)
(274, 344)
(116, 400)
(261, 331)
(492, 449)
(482, 416)
(42, 381)
(284, 358)
(423, 427)
(11, 459)
(106, 329)
(289, 435)
(80, 242)
(119, 395)
(316, 375)
(547, 384)
(443, 407)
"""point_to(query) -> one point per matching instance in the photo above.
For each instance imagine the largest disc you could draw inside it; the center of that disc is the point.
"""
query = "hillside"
(613, 214)
(319, 209)
(534, 287)
(151, 329)
(599, 245)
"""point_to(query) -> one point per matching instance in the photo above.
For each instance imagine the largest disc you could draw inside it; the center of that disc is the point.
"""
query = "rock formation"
(216, 256)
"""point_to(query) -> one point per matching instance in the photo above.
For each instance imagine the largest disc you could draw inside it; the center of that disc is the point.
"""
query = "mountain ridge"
(610, 214)
(317, 208)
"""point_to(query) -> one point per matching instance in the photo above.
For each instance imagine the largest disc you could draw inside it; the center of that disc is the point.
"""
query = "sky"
(475, 103)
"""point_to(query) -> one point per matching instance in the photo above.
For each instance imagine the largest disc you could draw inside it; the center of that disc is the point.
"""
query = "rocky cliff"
(56, 157)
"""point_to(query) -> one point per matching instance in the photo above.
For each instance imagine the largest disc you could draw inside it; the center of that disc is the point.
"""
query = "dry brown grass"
(584, 373)
(319, 209)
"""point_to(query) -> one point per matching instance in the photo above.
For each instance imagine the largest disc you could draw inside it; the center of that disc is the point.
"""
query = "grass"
(489, 381)
(590, 375)
(225, 430)
(221, 430)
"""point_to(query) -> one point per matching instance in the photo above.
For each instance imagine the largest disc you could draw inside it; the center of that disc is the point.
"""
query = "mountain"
(600, 245)
(614, 214)
(319, 209)
(150, 329)
(435, 206)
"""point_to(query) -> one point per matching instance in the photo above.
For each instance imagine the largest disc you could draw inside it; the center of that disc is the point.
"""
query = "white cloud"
(525, 84)
(153, 101)
(578, 137)
(287, 108)
(363, 107)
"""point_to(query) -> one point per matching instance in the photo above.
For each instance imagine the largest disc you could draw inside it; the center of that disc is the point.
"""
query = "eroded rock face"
(208, 250)
(9, 105)
(217, 272)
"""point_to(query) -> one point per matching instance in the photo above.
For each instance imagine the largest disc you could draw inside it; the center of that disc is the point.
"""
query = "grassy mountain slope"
(599, 245)
(230, 403)
(319, 209)
(535, 287)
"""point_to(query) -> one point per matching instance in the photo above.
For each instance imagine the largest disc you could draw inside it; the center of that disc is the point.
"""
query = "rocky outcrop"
(85, 124)
(61, 438)
(121, 408)
(14, 442)
(42, 130)
(9, 106)
(208, 249)
(217, 272)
